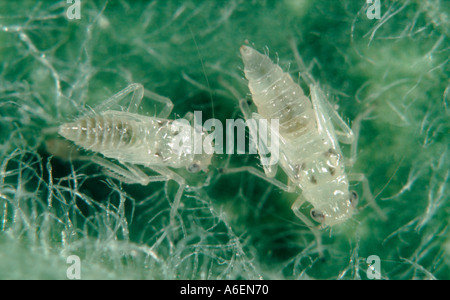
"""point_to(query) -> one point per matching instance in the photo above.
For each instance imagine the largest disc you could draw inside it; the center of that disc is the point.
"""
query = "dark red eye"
(193, 168)
(353, 198)
(317, 216)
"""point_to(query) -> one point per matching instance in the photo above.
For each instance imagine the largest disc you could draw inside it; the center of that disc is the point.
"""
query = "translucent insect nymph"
(158, 143)
(309, 150)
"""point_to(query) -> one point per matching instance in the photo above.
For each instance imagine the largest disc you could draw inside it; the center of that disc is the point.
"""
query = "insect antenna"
(204, 71)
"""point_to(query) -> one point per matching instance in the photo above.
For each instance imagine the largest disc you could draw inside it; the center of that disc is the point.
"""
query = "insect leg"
(346, 134)
(257, 173)
(367, 194)
(304, 72)
(168, 105)
(291, 186)
(356, 126)
(181, 186)
(189, 116)
(296, 209)
(269, 169)
(130, 174)
(138, 93)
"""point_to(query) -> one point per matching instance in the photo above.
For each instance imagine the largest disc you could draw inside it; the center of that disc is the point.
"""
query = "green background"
(236, 226)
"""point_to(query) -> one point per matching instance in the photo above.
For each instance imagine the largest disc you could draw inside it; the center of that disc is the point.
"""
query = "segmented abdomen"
(100, 133)
(276, 95)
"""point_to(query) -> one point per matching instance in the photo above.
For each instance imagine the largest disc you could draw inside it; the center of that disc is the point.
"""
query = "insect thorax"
(311, 160)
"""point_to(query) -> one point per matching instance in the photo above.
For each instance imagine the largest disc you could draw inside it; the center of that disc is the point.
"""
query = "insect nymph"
(309, 150)
(132, 139)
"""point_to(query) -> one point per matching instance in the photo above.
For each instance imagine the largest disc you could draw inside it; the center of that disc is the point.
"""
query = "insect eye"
(317, 215)
(193, 168)
(353, 198)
